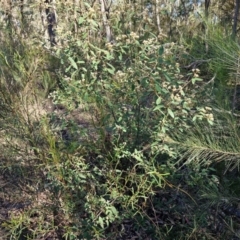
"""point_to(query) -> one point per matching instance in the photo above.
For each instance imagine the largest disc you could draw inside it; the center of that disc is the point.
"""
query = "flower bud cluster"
(149, 42)
(206, 112)
(196, 72)
(134, 36)
(121, 37)
(109, 46)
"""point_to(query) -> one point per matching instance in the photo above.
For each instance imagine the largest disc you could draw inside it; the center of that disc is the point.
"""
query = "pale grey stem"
(105, 20)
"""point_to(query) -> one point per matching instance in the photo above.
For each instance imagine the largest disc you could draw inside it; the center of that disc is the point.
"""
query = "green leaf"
(110, 70)
(167, 77)
(100, 220)
(94, 23)
(170, 112)
(196, 80)
(87, 4)
(158, 101)
(210, 122)
(120, 57)
(158, 107)
(163, 129)
(82, 175)
(67, 70)
(161, 50)
(114, 210)
(81, 20)
(109, 56)
(73, 63)
(80, 62)
(158, 88)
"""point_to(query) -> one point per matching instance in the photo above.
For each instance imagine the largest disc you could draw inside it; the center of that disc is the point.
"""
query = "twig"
(196, 63)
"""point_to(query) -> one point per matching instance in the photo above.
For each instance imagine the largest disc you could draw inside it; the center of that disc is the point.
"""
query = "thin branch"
(196, 63)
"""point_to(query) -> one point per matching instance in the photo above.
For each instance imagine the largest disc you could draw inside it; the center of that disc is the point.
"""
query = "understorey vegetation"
(119, 120)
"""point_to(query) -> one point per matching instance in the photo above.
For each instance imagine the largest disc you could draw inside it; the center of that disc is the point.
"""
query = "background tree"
(118, 119)
(235, 19)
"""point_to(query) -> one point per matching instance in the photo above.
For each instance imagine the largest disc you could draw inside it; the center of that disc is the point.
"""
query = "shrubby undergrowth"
(115, 139)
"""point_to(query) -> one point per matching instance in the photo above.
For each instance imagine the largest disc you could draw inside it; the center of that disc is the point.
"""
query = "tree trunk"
(105, 16)
(235, 19)
(51, 20)
(158, 17)
(207, 4)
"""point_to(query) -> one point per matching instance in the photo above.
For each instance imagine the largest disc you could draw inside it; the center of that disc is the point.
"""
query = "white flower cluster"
(206, 112)
(121, 37)
(120, 74)
(196, 72)
(130, 70)
(134, 36)
(109, 46)
(150, 41)
(91, 13)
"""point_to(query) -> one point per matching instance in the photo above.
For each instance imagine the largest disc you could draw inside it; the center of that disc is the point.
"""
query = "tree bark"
(235, 19)
(158, 17)
(105, 16)
(51, 20)
(207, 4)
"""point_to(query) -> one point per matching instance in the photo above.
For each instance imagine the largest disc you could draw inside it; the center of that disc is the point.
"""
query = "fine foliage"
(119, 120)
